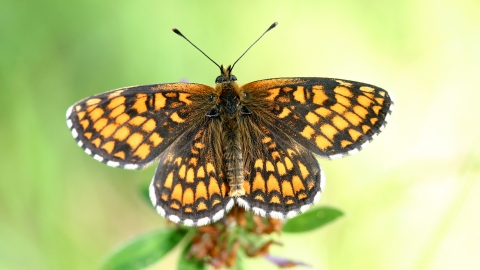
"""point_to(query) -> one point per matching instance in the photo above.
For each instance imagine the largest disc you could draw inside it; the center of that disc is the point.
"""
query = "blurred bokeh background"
(412, 198)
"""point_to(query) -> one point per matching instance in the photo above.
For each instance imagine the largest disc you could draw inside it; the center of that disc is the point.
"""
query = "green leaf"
(185, 263)
(312, 219)
(144, 250)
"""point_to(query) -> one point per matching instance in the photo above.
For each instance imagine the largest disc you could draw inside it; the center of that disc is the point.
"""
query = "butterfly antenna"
(269, 28)
(180, 34)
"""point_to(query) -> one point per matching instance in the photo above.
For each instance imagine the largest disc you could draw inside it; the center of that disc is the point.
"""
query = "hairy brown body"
(229, 110)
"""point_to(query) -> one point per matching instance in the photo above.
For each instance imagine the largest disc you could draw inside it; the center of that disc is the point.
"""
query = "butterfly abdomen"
(229, 108)
(233, 157)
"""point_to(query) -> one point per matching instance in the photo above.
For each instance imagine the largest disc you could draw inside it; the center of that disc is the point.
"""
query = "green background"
(411, 198)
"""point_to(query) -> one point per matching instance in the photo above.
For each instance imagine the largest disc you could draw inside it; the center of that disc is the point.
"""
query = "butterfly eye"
(233, 78)
(219, 79)
(212, 113)
(244, 110)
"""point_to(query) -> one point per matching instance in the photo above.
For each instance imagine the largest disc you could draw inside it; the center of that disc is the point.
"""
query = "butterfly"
(253, 145)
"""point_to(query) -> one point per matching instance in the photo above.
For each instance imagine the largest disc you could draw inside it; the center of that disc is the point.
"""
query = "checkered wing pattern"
(330, 117)
(130, 127)
(189, 186)
(282, 179)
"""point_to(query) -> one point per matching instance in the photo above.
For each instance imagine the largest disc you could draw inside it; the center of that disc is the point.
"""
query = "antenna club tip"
(272, 26)
(176, 31)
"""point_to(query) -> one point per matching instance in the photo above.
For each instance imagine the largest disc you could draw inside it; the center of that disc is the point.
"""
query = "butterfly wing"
(282, 178)
(329, 117)
(130, 127)
(188, 186)
(288, 119)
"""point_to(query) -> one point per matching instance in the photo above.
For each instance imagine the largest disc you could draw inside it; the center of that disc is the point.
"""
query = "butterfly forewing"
(130, 127)
(329, 117)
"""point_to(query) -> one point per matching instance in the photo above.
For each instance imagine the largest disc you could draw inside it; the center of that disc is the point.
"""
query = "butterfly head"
(226, 75)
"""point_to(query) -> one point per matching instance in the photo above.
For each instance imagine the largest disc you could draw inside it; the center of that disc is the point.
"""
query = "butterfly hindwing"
(282, 178)
(130, 127)
(188, 186)
(329, 117)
